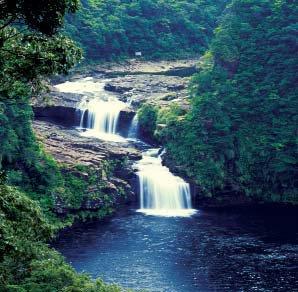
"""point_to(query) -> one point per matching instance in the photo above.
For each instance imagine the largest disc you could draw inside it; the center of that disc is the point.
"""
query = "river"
(209, 251)
(164, 244)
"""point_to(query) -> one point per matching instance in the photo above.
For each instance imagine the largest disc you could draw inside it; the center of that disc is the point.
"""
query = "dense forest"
(159, 29)
(239, 137)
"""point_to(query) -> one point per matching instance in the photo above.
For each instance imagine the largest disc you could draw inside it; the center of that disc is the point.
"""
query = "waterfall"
(102, 116)
(82, 115)
(82, 110)
(161, 192)
(134, 127)
(99, 110)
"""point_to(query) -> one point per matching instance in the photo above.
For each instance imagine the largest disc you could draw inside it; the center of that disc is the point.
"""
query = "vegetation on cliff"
(30, 51)
(240, 136)
(27, 263)
(147, 117)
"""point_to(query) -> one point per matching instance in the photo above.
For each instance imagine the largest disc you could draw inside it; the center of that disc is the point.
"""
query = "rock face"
(157, 89)
(125, 118)
(57, 98)
(70, 116)
(69, 147)
(70, 150)
(117, 88)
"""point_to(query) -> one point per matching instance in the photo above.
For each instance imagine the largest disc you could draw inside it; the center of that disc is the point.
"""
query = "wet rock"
(57, 98)
(125, 118)
(176, 87)
(124, 173)
(63, 115)
(117, 88)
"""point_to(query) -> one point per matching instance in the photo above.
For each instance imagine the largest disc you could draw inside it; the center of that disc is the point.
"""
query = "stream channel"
(164, 244)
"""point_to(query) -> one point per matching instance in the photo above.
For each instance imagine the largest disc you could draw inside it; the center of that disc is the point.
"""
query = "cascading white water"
(134, 127)
(99, 110)
(102, 116)
(161, 192)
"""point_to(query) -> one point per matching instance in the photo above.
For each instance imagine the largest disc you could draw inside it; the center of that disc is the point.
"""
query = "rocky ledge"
(133, 81)
(135, 66)
(161, 90)
(110, 162)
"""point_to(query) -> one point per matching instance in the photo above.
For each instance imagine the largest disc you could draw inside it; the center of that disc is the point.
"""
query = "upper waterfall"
(99, 110)
(101, 115)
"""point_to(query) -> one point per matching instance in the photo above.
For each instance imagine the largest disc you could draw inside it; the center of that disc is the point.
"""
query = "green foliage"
(44, 16)
(169, 114)
(147, 116)
(29, 53)
(21, 223)
(114, 29)
(26, 262)
(27, 58)
(241, 134)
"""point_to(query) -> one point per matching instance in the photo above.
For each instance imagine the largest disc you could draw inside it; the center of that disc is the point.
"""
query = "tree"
(45, 16)
(29, 50)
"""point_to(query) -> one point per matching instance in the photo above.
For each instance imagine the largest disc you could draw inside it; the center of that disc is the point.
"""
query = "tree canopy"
(42, 15)
(113, 29)
(29, 48)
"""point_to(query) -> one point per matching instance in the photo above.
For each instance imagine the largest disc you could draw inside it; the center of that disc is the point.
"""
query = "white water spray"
(99, 110)
(102, 116)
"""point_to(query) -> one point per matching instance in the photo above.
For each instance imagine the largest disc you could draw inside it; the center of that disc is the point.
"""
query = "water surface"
(206, 252)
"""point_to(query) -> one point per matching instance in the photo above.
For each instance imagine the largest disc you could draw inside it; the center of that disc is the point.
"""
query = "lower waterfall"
(161, 192)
